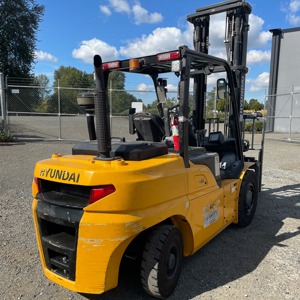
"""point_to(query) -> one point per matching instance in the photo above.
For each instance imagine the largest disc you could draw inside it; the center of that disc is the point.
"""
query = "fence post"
(291, 114)
(3, 102)
(59, 112)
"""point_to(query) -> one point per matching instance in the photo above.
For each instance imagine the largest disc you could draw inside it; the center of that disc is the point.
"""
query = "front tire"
(247, 199)
(162, 261)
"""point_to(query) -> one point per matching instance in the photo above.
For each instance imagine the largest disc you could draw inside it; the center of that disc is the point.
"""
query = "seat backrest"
(218, 143)
(131, 123)
(149, 127)
(230, 166)
(216, 137)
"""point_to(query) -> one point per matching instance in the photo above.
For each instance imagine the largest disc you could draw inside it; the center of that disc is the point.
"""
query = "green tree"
(210, 100)
(72, 78)
(246, 105)
(121, 100)
(43, 93)
(117, 80)
(220, 105)
(68, 83)
(19, 21)
(42, 81)
(254, 104)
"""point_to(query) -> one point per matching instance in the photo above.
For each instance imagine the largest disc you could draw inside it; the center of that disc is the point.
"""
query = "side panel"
(231, 197)
(206, 215)
(206, 212)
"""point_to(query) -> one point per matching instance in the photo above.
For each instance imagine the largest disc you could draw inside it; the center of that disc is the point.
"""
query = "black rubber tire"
(162, 261)
(247, 199)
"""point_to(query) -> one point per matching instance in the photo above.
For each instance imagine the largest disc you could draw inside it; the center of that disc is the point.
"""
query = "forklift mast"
(236, 38)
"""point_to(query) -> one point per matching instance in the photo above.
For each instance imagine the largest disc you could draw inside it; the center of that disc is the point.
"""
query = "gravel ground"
(261, 261)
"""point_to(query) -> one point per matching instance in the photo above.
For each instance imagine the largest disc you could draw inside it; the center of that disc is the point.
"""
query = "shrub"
(5, 136)
(257, 126)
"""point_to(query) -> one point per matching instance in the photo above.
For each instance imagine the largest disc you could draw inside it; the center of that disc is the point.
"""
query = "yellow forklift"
(159, 198)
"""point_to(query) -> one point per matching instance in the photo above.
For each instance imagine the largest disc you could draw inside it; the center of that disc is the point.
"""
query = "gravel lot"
(261, 261)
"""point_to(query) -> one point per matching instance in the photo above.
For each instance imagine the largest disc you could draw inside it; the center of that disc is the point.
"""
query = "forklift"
(163, 196)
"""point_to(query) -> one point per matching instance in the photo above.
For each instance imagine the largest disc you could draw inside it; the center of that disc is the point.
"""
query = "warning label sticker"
(210, 217)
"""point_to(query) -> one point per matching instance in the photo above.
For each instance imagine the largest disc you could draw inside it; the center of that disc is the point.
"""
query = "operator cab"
(203, 144)
(225, 143)
(181, 128)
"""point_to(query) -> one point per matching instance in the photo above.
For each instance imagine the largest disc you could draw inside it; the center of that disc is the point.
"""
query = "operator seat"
(148, 127)
(230, 166)
(152, 128)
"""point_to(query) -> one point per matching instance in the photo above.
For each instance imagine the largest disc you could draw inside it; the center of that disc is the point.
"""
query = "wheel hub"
(172, 262)
(249, 200)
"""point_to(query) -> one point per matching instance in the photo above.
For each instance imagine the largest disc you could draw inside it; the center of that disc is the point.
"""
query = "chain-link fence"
(283, 115)
(52, 113)
(37, 112)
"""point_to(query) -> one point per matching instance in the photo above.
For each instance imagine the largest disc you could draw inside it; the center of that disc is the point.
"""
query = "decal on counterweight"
(60, 174)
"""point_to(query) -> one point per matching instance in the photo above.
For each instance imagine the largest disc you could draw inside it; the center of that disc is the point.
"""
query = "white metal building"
(283, 103)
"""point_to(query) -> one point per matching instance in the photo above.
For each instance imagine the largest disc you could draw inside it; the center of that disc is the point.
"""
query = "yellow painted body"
(147, 193)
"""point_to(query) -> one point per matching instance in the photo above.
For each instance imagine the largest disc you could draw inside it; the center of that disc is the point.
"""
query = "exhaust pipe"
(102, 111)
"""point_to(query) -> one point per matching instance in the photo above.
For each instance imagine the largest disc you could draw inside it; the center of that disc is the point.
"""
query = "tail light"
(111, 65)
(36, 186)
(168, 56)
(100, 192)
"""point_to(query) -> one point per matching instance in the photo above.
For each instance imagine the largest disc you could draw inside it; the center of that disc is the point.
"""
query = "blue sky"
(73, 31)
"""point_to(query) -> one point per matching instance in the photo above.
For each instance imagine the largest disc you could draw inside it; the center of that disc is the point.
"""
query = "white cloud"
(168, 38)
(292, 12)
(160, 40)
(258, 37)
(45, 56)
(217, 31)
(260, 83)
(120, 6)
(89, 48)
(141, 15)
(294, 20)
(258, 56)
(105, 10)
(143, 87)
(172, 88)
(294, 6)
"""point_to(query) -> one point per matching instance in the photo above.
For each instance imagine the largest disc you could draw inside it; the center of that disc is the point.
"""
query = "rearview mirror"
(161, 94)
(221, 88)
(161, 90)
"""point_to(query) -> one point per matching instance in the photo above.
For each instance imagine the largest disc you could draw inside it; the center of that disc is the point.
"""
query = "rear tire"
(247, 199)
(162, 261)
